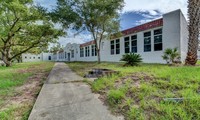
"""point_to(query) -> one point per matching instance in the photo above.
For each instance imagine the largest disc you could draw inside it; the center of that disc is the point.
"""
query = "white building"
(149, 40)
(37, 57)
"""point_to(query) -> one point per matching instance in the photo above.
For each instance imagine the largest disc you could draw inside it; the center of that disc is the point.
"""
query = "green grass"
(15, 76)
(139, 92)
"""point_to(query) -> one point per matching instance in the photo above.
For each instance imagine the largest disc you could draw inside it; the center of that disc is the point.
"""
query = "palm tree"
(171, 55)
(194, 27)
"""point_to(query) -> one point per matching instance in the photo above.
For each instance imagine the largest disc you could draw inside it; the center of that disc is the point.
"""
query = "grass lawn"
(144, 92)
(19, 87)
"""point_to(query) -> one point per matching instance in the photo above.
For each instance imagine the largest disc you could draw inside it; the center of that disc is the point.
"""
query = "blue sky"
(135, 12)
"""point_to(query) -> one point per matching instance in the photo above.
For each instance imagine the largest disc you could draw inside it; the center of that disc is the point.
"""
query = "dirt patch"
(134, 79)
(27, 93)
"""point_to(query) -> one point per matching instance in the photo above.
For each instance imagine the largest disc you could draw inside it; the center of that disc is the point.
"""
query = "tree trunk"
(193, 28)
(6, 61)
(98, 55)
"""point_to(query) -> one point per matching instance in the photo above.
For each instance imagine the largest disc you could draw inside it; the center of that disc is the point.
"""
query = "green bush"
(171, 56)
(115, 97)
(132, 59)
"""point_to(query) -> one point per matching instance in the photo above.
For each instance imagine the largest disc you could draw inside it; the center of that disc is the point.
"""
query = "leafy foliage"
(24, 27)
(171, 55)
(132, 59)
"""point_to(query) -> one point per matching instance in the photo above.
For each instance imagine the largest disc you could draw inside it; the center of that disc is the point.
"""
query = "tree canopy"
(24, 27)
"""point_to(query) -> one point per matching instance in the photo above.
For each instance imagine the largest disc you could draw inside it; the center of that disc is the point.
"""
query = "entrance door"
(49, 57)
(68, 54)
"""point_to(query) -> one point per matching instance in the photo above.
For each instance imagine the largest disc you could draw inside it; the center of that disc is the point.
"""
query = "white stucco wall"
(31, 57)
(184, 37)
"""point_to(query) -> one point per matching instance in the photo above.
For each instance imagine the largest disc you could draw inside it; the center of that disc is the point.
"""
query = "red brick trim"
(143, 27)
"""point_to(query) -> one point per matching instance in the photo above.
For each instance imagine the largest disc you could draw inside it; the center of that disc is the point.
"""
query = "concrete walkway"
(62, 98)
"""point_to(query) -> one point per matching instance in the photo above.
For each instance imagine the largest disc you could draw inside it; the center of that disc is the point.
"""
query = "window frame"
(134, 46)
(147, 35)
(125, 45)
(159, 34)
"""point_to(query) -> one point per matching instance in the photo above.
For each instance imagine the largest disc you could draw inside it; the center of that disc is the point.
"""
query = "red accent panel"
(87, 43)
(143, 27)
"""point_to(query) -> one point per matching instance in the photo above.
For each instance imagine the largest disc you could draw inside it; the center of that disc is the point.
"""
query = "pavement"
(65, 97)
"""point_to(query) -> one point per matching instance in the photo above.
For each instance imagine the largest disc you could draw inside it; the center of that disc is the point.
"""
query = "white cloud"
(163, 6)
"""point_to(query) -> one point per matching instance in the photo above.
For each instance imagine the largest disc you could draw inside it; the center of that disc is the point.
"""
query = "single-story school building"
(149, 40)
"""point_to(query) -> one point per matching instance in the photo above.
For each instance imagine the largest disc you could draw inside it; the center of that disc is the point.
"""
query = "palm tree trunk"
(193, 28)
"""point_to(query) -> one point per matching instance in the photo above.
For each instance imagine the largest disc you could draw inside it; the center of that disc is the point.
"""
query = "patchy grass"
(139, 92)
(19, 87)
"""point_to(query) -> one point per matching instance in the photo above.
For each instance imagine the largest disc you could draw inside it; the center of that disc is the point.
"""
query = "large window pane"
(158, 40)
(158, 47)
(147, 40)
(147, 48)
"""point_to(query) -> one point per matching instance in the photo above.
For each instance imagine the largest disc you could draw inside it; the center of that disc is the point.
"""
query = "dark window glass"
(158, 40)
(159, 31)
(134, 43)
(65, 55)
(112, 47)
(117, 46)
(81, 52)
(94, 51)
(158, 47)
(86, 51)
(147, 34)
(133, 37)
(147, 48)
(147, 41)
(72, 53)
(126, 44)
(134, 49)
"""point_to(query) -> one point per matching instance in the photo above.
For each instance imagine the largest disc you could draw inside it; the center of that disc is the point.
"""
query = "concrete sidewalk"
(61, 98)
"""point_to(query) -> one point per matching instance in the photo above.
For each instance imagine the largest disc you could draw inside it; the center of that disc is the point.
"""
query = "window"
(126, 44)
(25, 57)
(134, 44)
(38, 57)
(94, 50)
(87, 51)
(30, 57)
(72, 53)
(158, 40)
(81, 52)
(112, 46)
(65, 55)
(117, 46)
(147, 41)
(33, 57)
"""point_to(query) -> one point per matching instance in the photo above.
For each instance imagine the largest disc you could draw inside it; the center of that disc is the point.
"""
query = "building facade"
(149, 40)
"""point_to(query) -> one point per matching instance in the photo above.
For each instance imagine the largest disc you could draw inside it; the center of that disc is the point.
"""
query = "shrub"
(132, 59)
(115, 97)
(171, 56)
